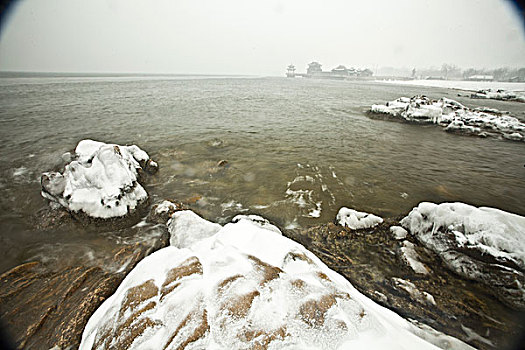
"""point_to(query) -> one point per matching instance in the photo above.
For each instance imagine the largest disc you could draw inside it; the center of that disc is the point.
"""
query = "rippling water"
(297, 150)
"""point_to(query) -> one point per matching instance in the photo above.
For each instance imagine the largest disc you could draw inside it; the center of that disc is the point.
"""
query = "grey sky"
(257, 37)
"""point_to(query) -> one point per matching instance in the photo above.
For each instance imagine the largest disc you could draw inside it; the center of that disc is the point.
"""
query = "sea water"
(296, 150)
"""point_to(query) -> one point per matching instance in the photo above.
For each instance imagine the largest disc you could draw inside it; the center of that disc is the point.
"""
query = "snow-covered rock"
(161, 212)
(409, 287)
(500, 94)
(410, 256)
(483, 244)
(356, 220)
(453, 116)
(245, 287)
(102, 182)
(398, 232)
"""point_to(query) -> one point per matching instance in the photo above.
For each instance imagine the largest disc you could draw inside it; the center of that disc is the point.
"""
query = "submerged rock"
(244, 286)
(453, 116)
(483, 244)
(103, 181)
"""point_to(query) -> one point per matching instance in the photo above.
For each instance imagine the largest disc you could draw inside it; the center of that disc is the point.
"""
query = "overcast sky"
(257, 37)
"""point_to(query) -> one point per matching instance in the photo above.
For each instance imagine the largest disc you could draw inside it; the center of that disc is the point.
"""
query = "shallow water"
(297, 151)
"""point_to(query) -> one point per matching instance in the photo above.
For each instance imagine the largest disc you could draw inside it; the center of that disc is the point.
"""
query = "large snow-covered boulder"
(453, 116)
(245, 286)
(484, 244)
(102, 182)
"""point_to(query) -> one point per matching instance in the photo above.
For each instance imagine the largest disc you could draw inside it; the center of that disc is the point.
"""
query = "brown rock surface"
(45, 305)
(371, 259)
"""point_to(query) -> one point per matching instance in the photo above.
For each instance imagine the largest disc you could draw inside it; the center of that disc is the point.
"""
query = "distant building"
(479, 77)
(437, 77)
(290, 71)
(314, 68)
(364, 73)
(341, 70)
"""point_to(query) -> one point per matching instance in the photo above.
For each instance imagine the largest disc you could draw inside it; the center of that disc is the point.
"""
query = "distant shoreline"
(24, 74)
(458, 84)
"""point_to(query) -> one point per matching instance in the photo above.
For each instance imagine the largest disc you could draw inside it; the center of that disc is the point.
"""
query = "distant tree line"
(499, 74)
(451, 71)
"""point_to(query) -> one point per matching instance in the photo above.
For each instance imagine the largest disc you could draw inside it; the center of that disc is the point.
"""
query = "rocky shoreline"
(452, 116)
(44, 305)
(372, 260)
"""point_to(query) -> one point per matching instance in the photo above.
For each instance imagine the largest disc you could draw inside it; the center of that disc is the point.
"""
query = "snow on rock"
(258, 220)
(454, 117)
(411, 257)
(398, 232)
(186, 227)
(415, 293)
(484, 244)
(244, 287)
(500, 94)
(356, 220)
(102, 182)
(161, 212)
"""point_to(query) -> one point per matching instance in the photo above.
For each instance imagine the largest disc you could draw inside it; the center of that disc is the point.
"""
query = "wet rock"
(46, 218)
(372, 259)
(150, 166)
(160, 213)
(47, 305)
(222, 163)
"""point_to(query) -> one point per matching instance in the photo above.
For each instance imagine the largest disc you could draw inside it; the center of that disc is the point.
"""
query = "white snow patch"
(315, 213)
(259, 221)
(356, 220)
(165, 207)
(186, 227)
(411, 257)
(398, 232)
(415, 293)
